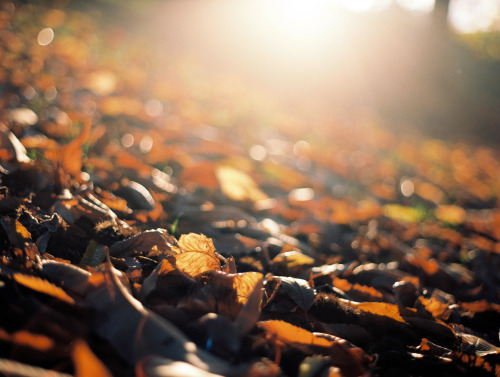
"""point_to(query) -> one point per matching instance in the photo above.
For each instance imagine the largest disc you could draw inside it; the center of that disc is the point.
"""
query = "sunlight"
(421, 6)
(469, 16)
(294, 23)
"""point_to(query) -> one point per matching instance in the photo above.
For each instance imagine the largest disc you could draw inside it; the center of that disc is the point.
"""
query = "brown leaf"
(200, 173)
(143, 243)
(16, 232)
(67, 159)
(41, 285)
(135, 332)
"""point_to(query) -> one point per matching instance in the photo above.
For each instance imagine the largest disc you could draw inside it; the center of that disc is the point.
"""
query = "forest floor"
(179, 225)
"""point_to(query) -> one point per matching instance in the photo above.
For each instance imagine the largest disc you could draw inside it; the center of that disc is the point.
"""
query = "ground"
(168, 223)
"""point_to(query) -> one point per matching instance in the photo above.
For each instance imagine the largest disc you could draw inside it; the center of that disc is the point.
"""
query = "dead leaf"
(237, 185)
(193, 263)
(196, 243)
(293, 335)
(135, 332)
(86, 363)
(25, 338)
(67, 159)
(379, 308)
(451, 214)
(298, 290)
(43, 286)
(143, 243)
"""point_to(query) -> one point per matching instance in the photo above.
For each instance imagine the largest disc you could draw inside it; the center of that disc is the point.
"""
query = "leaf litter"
(137, 246)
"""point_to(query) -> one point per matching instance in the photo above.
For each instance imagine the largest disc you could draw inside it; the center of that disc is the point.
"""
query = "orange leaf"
(200, 174)
(41, 285)
(193, 242)
(86, 363)
(479, 306)
(379, 308)
(368, 293)
(451, 214)
(433, 306)
(244, 284)
(28, 339)
(291, 334)
(194, 263)
(67, 159)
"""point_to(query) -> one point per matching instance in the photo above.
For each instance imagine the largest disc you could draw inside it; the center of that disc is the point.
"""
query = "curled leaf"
(298, 290)
(94, 255)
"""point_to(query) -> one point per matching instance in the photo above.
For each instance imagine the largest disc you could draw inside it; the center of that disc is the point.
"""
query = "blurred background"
(426, 65)
(433, 65)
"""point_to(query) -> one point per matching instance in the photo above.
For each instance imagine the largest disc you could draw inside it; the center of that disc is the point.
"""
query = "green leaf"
(94, 255)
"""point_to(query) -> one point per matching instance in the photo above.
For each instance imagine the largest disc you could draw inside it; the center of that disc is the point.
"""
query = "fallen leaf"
(67, 159)
(379, 308)
(28, 339)
(43, 286)
(194, 263)
(298, 290)
(237, 185)
(86, 363)
(199, 243)
(451, 214)
(293, 335)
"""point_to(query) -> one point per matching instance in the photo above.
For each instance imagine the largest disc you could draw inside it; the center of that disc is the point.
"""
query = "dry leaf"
(293, 335)
(196, 243)
(25, 338)
(193, 263)
(237, 185)
(451, 214)
(67, 159)
(379, 308)
(43, 286)
(86, 363)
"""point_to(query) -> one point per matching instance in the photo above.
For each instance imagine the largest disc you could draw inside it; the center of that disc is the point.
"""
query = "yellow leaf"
(237, 185)
(402, 213)
(41, 285)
